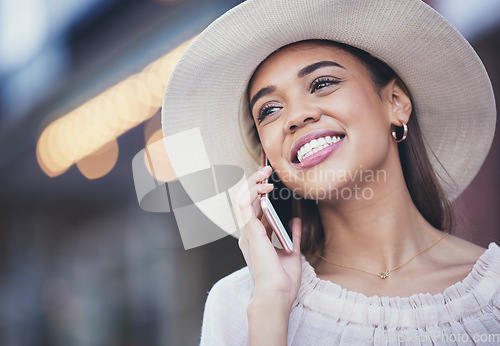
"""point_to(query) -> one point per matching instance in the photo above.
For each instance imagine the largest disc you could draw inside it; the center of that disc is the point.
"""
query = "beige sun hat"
(452, 93)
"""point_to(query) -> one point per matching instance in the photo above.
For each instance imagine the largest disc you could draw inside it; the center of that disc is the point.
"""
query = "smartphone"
(273, 218)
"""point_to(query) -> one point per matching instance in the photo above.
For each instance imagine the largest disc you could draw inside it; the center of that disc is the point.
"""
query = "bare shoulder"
(460, 251)
(453, 260)
(448, 263)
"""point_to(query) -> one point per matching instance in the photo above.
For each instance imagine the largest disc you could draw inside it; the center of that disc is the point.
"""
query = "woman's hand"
(276, 273)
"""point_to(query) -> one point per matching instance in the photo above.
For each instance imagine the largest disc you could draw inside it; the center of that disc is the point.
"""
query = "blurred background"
(81, 84)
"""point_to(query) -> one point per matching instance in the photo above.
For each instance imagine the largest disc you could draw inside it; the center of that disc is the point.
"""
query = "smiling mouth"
(315, 145)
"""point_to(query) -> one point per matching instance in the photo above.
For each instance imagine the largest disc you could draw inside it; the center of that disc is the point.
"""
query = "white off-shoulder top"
(324, 313)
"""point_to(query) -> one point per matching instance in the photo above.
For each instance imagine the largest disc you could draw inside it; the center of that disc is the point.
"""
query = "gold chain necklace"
(384, 275)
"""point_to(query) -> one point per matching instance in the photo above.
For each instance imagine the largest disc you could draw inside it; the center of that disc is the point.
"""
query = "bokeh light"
(156, 159)
(100, 162)
(88, 134)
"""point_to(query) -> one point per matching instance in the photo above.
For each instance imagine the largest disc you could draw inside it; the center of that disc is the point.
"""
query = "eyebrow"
(302, 73)
(262, 92)
(313, 67)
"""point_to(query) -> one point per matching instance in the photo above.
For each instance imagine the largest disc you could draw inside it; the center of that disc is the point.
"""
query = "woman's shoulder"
(224, 318)
(485, 270)
(236, 288)
(467, 251)
(235, 282)
(457, 258)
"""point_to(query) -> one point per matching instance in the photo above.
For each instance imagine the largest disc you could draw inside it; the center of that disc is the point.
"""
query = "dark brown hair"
(420, 177)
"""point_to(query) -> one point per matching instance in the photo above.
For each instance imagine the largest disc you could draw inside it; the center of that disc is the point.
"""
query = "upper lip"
(309, 137)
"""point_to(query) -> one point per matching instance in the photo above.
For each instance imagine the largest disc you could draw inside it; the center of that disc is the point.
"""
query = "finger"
(247, 192)
(258, 191)
(249, 205)
(261, 174)
(257, 209)
(254, 180)
(252, 189)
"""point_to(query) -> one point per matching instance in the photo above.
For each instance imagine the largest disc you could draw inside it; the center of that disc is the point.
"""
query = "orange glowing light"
(88, 133)
(100, 162)
(45, 159)
(156, 159)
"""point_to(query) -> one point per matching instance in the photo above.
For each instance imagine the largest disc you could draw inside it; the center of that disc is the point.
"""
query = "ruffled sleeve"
(224, 318)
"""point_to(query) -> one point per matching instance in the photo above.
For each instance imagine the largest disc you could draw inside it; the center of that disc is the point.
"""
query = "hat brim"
(452, 93)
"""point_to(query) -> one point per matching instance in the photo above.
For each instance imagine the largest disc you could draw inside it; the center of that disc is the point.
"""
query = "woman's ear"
(400, 102)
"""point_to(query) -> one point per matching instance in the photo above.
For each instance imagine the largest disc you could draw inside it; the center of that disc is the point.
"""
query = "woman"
(341, 128)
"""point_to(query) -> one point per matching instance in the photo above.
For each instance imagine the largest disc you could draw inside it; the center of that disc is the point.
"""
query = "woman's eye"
(266, 111)
(323, 82)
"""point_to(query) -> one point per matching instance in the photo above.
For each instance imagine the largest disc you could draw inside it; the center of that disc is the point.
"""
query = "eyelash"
(315, 86)
(261, 115)
(322, 80)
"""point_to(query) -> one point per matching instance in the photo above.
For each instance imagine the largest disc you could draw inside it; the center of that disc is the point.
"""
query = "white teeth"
(316, 145)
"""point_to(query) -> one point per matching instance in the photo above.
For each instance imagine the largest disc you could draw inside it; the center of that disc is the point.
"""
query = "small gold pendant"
(383, 275)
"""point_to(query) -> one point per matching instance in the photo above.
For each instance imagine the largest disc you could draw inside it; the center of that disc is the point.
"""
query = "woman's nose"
(299, 115)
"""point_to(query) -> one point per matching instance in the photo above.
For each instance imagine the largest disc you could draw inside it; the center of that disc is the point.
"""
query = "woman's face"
(320, 118)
